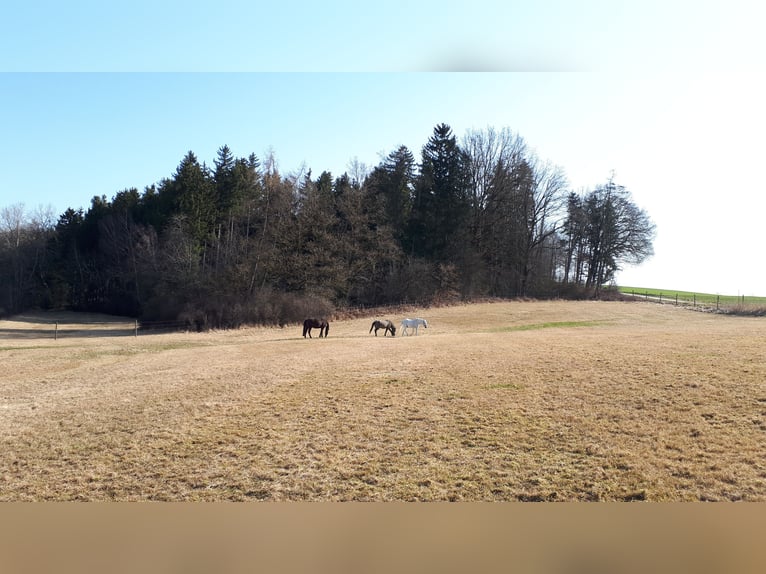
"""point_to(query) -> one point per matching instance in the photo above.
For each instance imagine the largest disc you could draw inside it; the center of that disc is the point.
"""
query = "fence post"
(676, 299)
(56, 332)
(694, 295)
(136, 328)
(717, 301)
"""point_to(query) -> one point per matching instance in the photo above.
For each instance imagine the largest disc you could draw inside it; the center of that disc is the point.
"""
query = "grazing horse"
(321, 324)
(386, 325)
(413, 324)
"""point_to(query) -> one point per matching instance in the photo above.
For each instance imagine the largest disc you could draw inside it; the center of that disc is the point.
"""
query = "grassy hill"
(707, 299)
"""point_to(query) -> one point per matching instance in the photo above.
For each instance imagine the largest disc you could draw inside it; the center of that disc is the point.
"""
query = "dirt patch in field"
(536, 401)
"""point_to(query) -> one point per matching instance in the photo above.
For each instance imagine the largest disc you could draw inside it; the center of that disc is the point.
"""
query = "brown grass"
(498, 401)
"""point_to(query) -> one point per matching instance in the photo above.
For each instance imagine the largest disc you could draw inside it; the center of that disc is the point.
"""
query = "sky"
(668, 96)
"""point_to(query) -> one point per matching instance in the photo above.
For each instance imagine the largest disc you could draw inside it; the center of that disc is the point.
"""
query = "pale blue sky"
(668, 95)
(346, 35)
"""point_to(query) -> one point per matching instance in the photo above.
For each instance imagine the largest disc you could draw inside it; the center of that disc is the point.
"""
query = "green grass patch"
(692, 297)
(549, 325)
(157, 348)
(512, 386)
(395, 381)
(132, 351)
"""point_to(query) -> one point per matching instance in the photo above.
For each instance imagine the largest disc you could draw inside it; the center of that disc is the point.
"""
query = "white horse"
(413, 324)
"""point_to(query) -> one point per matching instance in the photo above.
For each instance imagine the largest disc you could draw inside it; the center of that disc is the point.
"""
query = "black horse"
(387, 325)
(321, 324)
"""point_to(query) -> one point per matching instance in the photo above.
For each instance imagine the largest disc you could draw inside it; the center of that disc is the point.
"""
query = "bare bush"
(746, 310)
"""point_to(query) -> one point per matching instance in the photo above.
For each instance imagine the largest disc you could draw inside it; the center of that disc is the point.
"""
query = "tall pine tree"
(441, 205)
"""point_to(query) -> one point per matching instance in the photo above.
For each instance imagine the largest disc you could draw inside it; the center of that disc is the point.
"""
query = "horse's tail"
(372, 327)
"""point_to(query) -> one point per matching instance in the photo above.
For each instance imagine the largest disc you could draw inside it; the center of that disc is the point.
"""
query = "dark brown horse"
(321, 324)
(387, 325)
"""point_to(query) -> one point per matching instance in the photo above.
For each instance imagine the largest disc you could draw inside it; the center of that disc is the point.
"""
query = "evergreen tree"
(224, 182)
(324, 186)
(192, 194)
(394, 181)
(441, 207)
(365, 245)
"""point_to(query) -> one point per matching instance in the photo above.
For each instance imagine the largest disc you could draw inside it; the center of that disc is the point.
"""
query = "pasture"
(531, 401)
(739, 304)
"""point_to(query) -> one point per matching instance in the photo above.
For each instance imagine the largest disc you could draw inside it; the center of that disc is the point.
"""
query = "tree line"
(240, 243)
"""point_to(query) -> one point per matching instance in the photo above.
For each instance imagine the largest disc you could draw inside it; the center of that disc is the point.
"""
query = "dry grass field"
(532, 401)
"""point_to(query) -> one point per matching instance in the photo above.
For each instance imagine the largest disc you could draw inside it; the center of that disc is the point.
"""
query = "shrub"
(746, 310)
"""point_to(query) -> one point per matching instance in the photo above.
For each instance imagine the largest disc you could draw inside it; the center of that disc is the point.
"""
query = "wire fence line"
(59, 329)
(698, 300)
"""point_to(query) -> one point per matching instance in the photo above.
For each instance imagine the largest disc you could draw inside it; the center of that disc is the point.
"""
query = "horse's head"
(425, 323)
